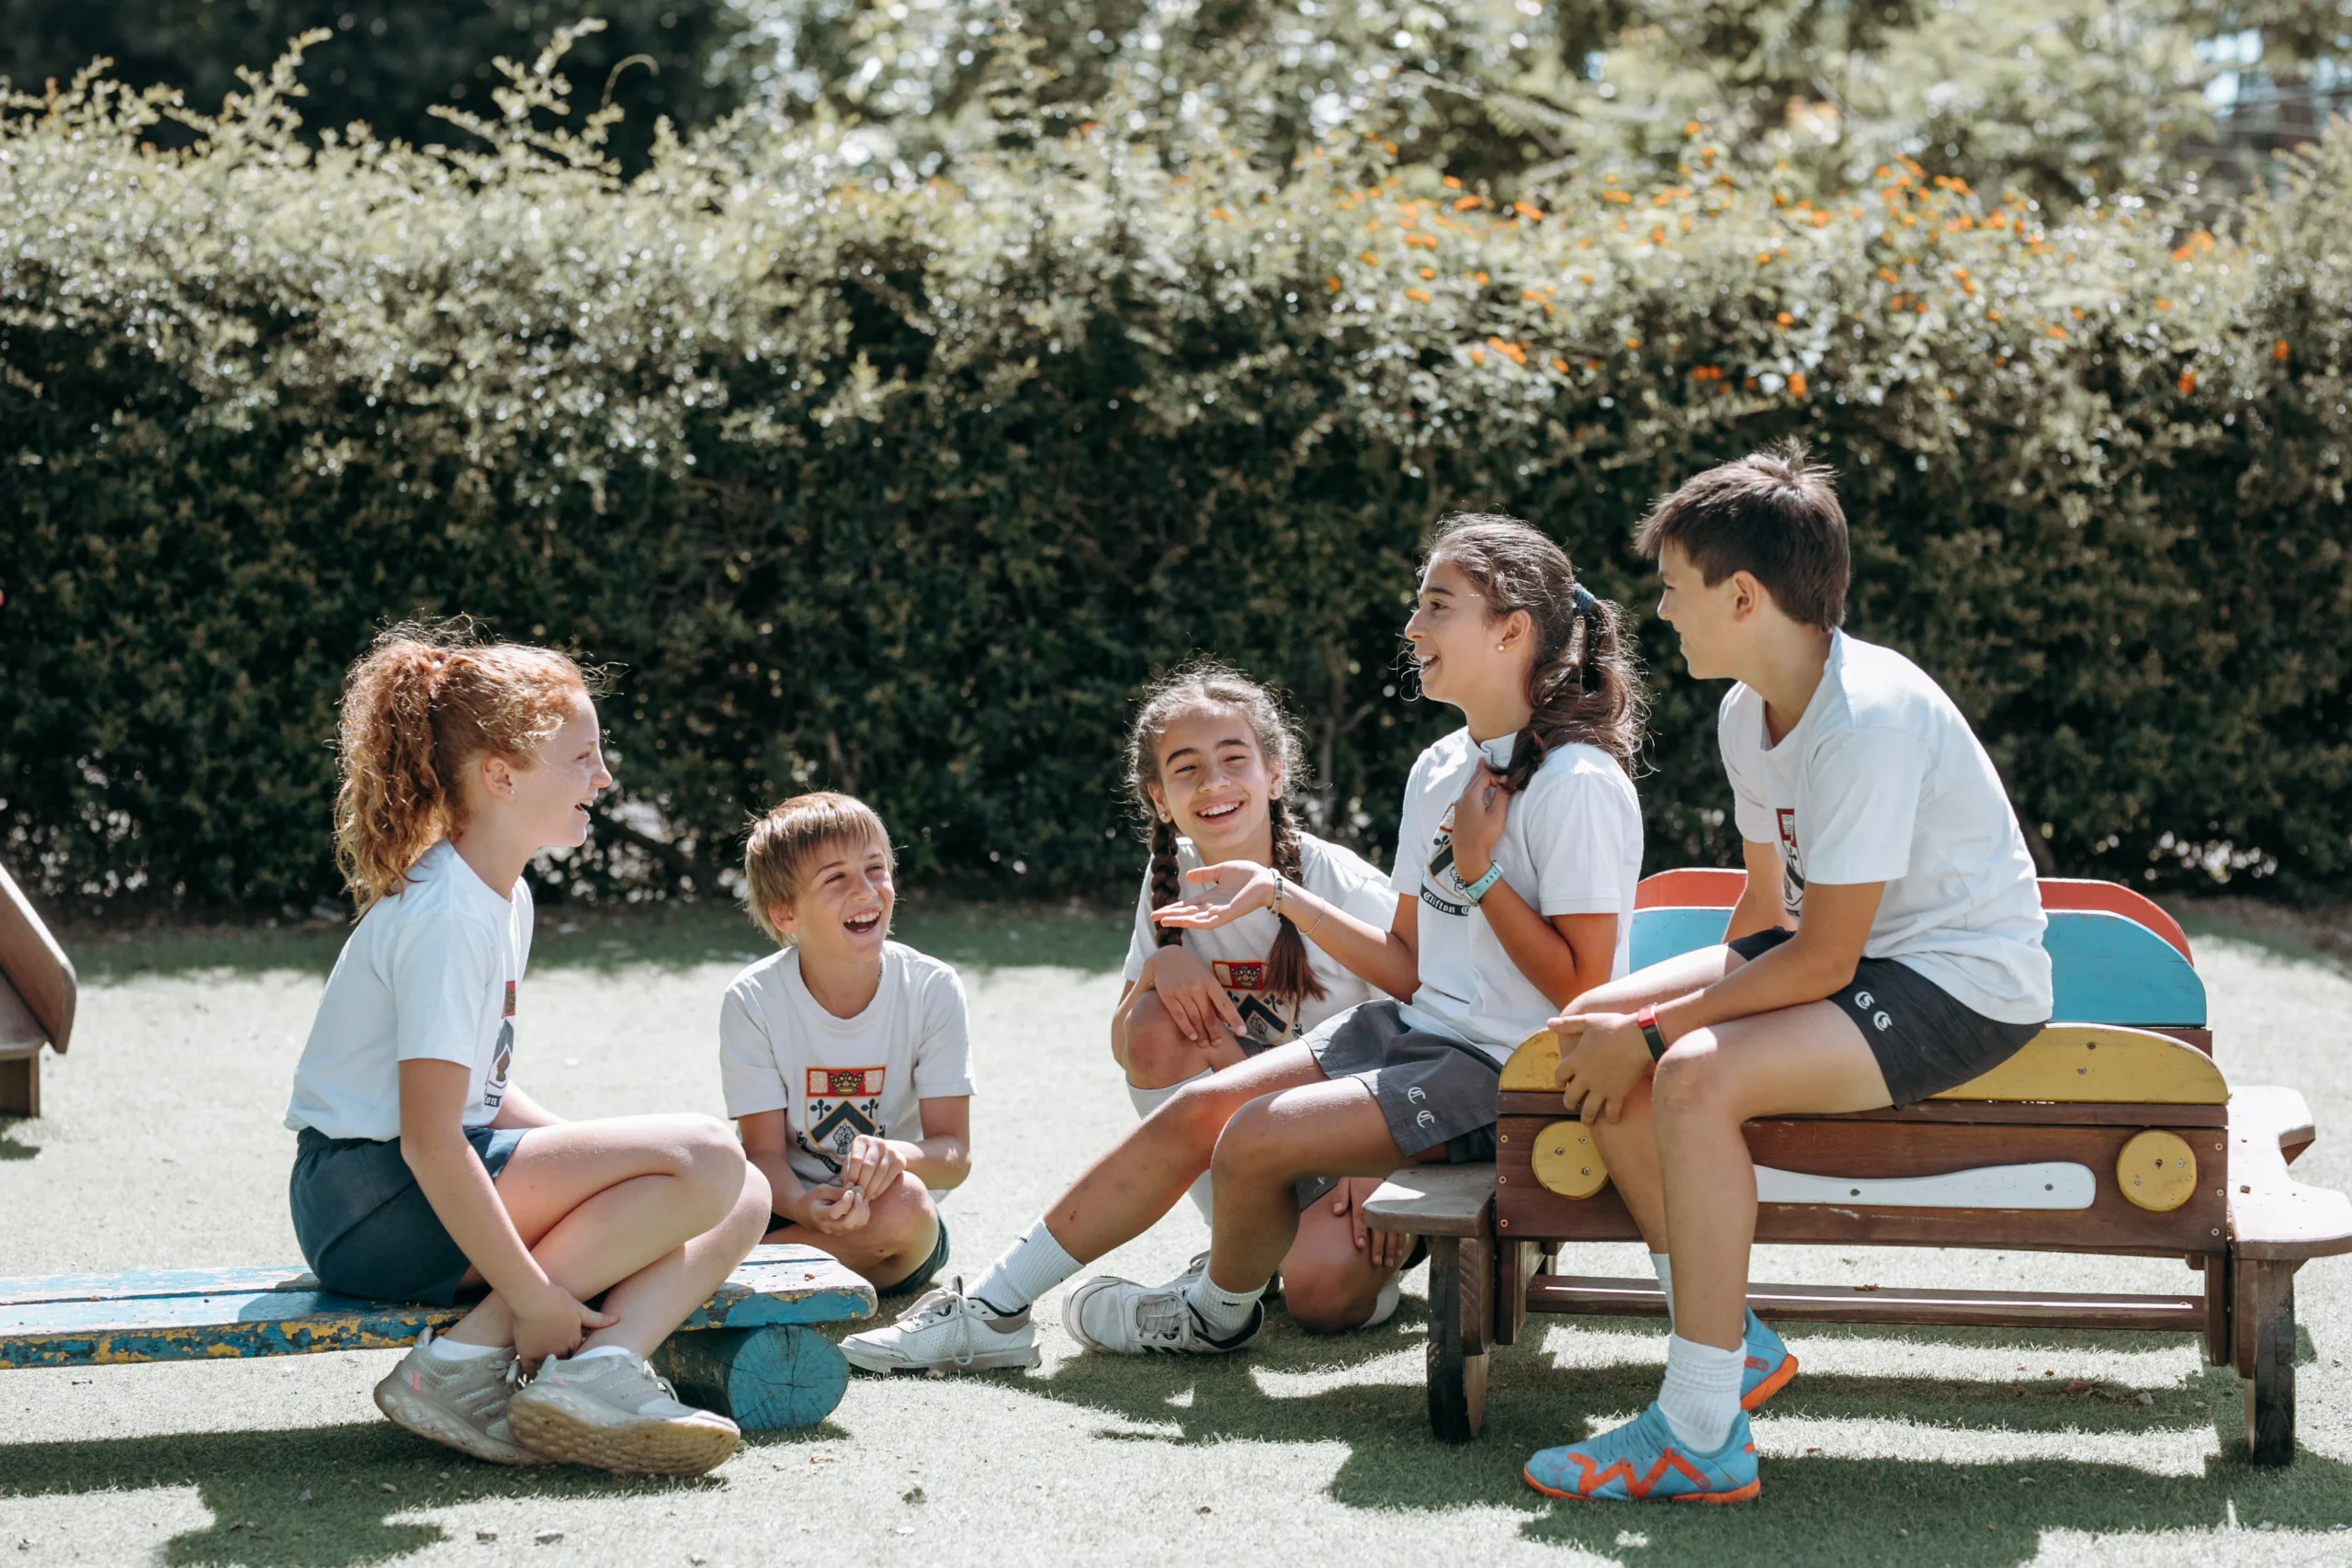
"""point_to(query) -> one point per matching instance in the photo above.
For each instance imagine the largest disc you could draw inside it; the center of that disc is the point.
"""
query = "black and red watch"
(1651, 1036)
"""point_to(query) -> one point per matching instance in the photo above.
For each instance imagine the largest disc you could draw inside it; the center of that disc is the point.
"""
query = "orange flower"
(1633, 343)
(1528, 211)
(1467, 203)
(1797, 385)
(1332, 284)
(1785, 320)
(1616, 196)
(1561, 365)
(2182, 252)
(2187, 382)
(1992, 315)
(1428, 272)
(1763, 259)
(1418, 294)
(1479, 279)
(2279, 350)
(1367, 258)
(1690, 128)
(1510, 351)
(1451, 183)
(2164, 304)
(1657, 235)
(2057, 331)
(1887, 275)
(1477, 356)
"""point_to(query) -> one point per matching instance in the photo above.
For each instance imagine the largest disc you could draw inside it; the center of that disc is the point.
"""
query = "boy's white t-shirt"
(431, 971)
(1883, 781)
(1571, 845)
(836, 1078)
(1237, 952)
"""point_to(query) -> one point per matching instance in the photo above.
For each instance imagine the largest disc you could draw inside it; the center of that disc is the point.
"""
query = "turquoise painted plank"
(2104, 968)
(160, 1319)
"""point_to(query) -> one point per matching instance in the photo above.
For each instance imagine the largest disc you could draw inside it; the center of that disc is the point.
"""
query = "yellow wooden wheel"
(1568, 1162)
(2157, 1171)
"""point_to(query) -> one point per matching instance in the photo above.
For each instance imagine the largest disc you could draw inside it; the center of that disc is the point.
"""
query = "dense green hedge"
(905, 490)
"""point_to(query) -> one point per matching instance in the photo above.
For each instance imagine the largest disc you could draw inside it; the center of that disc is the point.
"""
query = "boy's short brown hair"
(780, 844)
(1771, 514)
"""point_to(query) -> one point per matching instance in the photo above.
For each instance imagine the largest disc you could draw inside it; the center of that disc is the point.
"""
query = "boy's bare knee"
(1247, 1148)
(1329, 1302)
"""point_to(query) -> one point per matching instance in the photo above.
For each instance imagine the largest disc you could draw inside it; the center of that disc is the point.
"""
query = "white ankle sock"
(441, 1349)
(1222, 1311)
(1663, 1267)
(1148, 1100)
(594, 1350)
(1029, 1268)
(1701, 1394)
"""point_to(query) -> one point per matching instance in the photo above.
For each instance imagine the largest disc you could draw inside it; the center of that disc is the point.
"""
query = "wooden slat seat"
(2272, 1215)
(747, 1350)
(1433, 1199)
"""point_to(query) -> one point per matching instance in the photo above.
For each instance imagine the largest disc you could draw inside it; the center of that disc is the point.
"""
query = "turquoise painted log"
(2105, 968)
(777, 1379)
(79, 1320)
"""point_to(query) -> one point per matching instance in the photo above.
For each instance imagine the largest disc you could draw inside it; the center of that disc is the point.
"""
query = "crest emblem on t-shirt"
(1792, 863)
(493, 1090)
(1442, 880)
(838, 1103)
(1244, 980)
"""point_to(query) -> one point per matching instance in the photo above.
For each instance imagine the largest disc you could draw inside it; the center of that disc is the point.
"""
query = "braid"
(1288, 974)
(1167, 880)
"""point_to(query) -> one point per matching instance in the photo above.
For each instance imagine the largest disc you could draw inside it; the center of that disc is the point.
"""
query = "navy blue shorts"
(367, 1228)
(1925, 1040)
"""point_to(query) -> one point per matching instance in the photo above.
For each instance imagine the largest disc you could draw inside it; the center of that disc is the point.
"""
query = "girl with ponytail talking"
(1513, 894)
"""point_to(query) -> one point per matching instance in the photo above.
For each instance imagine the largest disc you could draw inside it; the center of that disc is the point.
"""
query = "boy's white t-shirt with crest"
(431, 972)
(1883, 781)
(1238, 953)
(836, 1078)
(1571, 845)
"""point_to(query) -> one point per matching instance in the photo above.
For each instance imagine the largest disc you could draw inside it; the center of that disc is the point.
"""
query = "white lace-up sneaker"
(946, 1331)
(1126, 1319)
(613, 1413)
(462, 1403)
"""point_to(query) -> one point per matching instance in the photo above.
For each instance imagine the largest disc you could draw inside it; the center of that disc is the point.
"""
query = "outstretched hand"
(1218, 894)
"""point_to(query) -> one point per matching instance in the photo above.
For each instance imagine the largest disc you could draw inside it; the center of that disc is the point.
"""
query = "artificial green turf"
(163, 1148)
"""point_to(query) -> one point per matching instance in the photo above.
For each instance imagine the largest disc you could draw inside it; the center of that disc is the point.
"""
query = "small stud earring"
(1498, 647)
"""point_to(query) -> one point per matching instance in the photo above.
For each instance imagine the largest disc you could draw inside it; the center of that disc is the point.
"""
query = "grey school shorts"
(1433, 1091)
(1926, 1041)
(367, 1228)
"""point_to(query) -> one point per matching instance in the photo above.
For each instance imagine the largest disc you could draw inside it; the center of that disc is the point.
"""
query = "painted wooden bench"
(37, 992)
(2105, 1136)
(747, 1353)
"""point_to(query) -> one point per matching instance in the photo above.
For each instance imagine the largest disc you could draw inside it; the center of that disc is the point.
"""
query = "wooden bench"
(747, 1353)
(37, 991)
(2111, 1136)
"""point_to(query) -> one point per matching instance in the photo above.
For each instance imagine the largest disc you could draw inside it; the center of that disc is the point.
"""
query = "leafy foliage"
(904, 486)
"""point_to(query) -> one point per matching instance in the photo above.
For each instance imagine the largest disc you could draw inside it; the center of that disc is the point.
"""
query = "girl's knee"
(1330, 1300)
(1157, 1053)
(1687, 1084)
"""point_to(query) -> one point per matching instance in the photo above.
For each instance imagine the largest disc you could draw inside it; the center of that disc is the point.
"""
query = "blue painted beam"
(2105, 968)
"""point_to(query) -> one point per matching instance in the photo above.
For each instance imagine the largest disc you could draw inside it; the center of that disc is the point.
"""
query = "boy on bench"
(1888, 947)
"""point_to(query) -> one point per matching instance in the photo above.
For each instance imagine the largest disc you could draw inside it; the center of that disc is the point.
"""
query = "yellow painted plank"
(2069, 1064)
(2075, 1063)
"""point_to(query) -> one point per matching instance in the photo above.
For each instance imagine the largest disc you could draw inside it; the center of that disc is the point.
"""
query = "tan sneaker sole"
(408, 1409)
(684, 1445)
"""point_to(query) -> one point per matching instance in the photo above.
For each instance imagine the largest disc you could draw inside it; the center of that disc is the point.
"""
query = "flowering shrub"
(905, 489)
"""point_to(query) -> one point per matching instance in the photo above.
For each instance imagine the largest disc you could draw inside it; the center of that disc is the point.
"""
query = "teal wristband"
(1478, 890)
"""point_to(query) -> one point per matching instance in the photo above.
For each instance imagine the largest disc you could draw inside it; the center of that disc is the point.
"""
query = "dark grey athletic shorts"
(1926, 1042)
(367, 1228)
(1432, 1090)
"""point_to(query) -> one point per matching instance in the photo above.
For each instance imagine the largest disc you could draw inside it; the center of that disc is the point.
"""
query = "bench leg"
(2265, 1334)
(20, 1086)
(1462, 1281)
(2219, 1351)
(773, 1379)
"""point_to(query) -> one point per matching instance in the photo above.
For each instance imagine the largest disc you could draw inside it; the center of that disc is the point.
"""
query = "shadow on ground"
(358, 1478)
(9, 1147)
(1832, 1509)
(671, 936)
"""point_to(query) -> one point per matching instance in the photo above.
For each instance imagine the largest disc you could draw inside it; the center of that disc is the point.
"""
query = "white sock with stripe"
(1029, 1268)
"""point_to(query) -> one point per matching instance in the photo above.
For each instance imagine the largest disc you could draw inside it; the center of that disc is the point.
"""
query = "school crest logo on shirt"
(1442, 886)
(837, 1104)
(501, 1062)
(1792, 863)
(1244, 980)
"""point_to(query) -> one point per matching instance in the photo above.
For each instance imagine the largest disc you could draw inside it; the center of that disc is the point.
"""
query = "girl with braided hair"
(1513, 889)
(422, 1172)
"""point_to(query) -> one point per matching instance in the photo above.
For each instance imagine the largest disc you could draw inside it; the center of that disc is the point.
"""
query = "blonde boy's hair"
(781, 843)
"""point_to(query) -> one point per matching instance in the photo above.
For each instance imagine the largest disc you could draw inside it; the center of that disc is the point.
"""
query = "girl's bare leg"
(1126, 1192)
(1317, 1127)
(902, 1229)
(657, 1210)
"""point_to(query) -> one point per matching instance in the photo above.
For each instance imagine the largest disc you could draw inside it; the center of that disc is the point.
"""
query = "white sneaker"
(462, 1403)
(612, 1412)
(1126, 1319)
(946, 1331)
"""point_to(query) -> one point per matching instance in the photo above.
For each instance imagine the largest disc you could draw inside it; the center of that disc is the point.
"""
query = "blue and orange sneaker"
(1769, 1365)
(1642, 1463)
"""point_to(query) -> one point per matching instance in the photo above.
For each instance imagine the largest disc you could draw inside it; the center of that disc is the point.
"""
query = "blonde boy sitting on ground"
(845, 1058)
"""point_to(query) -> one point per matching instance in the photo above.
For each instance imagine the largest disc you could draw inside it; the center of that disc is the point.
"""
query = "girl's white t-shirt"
(1571, 845)
(836, 1078)
(1883, 781)
(1238, 953)
(431, 972)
